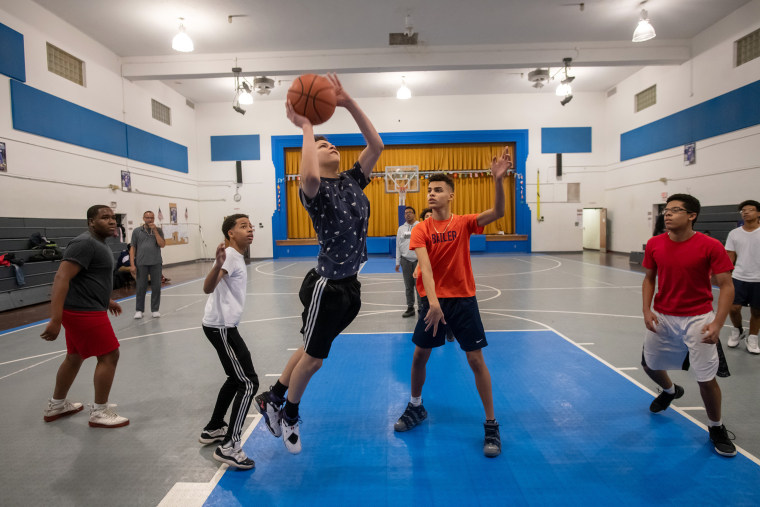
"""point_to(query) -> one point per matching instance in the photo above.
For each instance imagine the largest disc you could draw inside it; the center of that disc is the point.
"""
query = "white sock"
(57, 402)
(713, 423)
(416, 401)
(100, 406)
(670, 390)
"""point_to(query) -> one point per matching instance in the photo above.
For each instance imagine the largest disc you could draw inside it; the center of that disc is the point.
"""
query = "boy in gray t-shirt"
(81, 297)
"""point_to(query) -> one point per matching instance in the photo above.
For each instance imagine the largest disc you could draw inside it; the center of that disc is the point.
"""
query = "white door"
(592, 228)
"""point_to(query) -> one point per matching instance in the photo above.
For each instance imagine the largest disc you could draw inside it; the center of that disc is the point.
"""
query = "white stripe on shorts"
(311, 319)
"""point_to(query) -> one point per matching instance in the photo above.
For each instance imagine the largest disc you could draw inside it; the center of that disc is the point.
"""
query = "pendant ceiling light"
(182, 42)
(644, 30)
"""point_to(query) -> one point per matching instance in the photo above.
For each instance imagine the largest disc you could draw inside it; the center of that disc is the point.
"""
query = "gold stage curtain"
(461, 161)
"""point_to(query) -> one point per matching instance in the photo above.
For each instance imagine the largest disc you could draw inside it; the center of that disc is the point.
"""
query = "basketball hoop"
(402, 187)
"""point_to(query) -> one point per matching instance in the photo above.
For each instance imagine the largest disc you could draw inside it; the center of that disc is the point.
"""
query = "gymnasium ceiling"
(465, 46)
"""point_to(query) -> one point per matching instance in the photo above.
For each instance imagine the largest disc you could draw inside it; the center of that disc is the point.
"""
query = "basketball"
(313, 96)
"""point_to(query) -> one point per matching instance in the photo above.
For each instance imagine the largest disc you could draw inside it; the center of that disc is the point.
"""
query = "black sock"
(741, 329)
(279, 390)
(291, 410)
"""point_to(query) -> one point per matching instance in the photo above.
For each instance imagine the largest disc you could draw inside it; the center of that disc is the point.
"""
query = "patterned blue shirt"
(340, 215)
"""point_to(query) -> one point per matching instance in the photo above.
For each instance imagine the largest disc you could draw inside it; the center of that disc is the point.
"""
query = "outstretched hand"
(502, 166)
(342, 97)
(298, 120)
(221, 254)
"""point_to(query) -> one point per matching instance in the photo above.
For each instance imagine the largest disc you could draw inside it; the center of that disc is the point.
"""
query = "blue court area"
(383, 264)
(573, 432)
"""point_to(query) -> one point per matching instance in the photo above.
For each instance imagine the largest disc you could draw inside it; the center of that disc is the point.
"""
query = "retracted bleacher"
(14, 238)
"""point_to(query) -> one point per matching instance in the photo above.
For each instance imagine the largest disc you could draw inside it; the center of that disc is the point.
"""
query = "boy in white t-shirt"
(226, 284)
(743, 248)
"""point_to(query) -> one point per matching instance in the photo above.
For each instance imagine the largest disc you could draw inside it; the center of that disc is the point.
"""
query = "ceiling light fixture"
(564, 89)
(644, 30)
(403, 92)
(182, 42)
(243, 94)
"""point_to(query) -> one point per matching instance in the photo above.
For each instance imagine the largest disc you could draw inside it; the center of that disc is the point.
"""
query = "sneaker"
(409, 312)
(53, 412)
(211, 436)
(234, 456)
(492, 442)
(138, 315)
(291, 435)
(735, 337)
(722, 441)
(662, 402)
(411, 417)
(450, 335)
(156, 315)
(106, 417)
(269, 406)
(751, 344)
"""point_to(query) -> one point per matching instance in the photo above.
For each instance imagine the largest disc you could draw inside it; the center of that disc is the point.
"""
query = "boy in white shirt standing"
(226, 284)
(743, 248)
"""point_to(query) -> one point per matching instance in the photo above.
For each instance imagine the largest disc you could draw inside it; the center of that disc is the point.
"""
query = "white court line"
(292, 349)
(690, 408)
(585, 344)
(284, 267)
(33, 365)
(628, 368)
(273, 374)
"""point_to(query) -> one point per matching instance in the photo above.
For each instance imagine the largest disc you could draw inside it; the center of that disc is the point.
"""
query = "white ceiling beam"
(407, 59)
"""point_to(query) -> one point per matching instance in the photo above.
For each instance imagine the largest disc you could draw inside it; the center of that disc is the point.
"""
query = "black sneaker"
(492, 442)
(409, 312)
(663, 400)
(234, 457)
(411, 417)
(722, 441)
(269, 406)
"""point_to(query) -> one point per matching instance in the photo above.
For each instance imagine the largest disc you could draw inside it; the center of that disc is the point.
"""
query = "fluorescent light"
(644, 30)
(182, 42)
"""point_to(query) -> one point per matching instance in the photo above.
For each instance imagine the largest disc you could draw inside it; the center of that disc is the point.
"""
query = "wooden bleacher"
(14, 238)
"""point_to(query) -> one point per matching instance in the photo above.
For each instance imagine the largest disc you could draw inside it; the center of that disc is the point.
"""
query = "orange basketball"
(313, 96)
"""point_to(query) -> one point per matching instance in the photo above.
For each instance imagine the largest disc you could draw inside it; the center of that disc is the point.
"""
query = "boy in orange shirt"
(447, 287)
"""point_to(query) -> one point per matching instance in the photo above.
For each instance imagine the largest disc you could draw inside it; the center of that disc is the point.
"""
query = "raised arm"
(500, 167)
(370, 154)
(309, 163)
(66, 271)
(217, 273)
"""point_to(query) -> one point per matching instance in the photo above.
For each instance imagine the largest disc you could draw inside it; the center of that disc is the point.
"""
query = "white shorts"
(678, 338)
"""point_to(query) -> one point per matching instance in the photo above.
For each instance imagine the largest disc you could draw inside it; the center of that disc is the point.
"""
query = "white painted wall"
(47, 178)
(72, 178)
(727, 169)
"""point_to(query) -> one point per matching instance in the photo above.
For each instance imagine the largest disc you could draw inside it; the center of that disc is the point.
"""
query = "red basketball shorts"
(88, 333)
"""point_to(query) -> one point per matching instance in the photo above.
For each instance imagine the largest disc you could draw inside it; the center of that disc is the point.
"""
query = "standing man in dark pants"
(407, 259)
(145, 254)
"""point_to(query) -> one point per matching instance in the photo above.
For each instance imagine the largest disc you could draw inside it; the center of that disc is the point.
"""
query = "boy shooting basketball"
(447, 287)
(330, 293)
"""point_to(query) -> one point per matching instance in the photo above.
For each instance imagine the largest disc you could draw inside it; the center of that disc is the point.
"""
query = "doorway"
(595, 229)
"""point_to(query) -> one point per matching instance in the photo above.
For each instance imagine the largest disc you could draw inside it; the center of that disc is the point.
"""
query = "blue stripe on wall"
(151, 149)
(46, 115)
(731, 111)
(566, 140)
(12, 53)
(225, 148)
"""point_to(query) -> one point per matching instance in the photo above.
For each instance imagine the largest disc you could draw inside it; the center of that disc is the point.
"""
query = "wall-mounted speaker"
(559, 165)
(239, 169)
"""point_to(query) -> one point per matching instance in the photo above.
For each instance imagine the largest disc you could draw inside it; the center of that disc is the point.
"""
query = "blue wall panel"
(12, 53)
(46, 115)
(235, 148)
(151, 149)
(731, 111)
(566, 140)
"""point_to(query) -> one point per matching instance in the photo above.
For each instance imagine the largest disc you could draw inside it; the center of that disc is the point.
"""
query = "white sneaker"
(138, 315)
(53, 412)
(291, 435)
(234, 456)
(106, 417)
(735, 337)
(752, 347)
(156, 315)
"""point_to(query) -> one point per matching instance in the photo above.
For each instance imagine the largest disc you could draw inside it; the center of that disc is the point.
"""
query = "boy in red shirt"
(447, 288)
(682, 329)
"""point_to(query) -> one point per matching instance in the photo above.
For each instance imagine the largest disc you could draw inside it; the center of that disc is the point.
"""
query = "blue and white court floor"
(573, 432)
(565, 335)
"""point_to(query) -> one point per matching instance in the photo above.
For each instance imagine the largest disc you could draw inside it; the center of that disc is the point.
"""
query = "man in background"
(145, 254)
